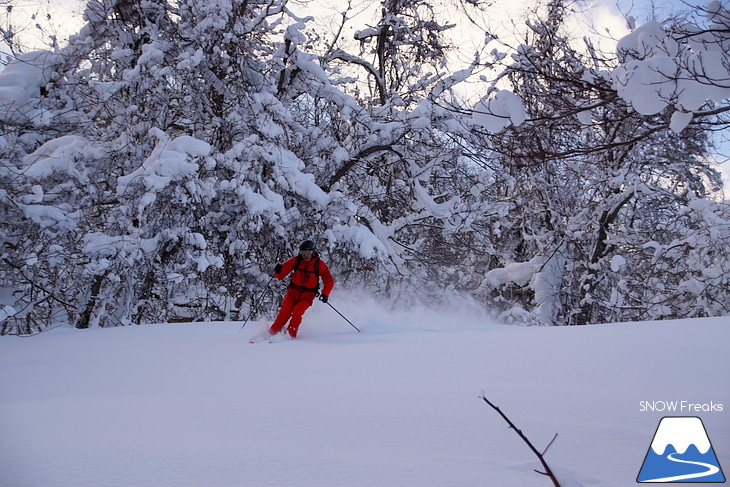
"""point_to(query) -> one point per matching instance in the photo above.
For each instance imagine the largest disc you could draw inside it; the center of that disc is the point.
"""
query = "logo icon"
(681, 452)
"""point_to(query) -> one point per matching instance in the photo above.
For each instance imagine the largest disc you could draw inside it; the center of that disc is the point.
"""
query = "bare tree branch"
(540, 456)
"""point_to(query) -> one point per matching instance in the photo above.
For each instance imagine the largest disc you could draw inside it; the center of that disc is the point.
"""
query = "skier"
(306, 269)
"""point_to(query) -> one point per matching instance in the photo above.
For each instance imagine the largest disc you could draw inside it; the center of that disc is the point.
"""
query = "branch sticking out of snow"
(540, 456)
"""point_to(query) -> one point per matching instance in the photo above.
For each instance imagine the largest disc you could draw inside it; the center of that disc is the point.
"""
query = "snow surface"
(396, 405)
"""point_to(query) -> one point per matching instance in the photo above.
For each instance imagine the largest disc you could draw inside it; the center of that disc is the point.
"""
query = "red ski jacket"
(305, 277)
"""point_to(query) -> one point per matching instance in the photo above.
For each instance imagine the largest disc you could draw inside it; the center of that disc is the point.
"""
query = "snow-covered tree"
(158, 166)
(592, 180)
(178, 189)
(391, 151)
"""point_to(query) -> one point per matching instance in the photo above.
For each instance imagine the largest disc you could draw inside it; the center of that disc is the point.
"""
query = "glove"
(277, 269)
(323, 298)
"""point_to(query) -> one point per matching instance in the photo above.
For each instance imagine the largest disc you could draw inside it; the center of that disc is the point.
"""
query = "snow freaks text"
(680, 407)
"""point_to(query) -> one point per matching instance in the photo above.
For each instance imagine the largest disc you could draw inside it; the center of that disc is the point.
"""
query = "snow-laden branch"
(372, 70)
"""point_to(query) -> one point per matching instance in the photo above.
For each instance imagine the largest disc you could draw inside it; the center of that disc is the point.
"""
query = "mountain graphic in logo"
(681, 452)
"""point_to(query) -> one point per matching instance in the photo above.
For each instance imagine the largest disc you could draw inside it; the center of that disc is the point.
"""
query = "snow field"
(396, 405)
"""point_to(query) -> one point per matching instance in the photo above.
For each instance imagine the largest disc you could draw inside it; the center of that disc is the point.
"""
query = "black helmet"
(308, 245)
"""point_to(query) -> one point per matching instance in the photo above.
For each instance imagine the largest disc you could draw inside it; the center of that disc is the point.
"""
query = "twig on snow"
(540, 456)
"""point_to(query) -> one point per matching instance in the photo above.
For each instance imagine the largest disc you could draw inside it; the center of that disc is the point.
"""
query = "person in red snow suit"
(306, 269)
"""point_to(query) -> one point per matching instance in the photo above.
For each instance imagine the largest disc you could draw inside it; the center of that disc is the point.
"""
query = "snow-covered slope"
(396, 405)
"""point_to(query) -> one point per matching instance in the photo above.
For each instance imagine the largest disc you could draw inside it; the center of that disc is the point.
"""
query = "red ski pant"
(296, 302)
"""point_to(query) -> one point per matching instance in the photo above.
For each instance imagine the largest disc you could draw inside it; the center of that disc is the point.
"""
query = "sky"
(605, 13)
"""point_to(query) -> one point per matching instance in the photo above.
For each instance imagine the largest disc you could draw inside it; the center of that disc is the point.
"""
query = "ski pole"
(343, 317)
(254, 307)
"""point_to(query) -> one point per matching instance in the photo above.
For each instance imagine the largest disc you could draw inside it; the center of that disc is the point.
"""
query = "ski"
(264, 336)
(280, 337)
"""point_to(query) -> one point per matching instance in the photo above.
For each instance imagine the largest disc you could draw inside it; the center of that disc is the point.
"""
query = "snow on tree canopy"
(59, 155)
(366, 243)
(170, 160)
(21, 82)
(659, 71)
(500, 111)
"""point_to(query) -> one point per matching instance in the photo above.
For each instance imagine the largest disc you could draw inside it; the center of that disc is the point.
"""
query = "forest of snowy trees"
(159, 165)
